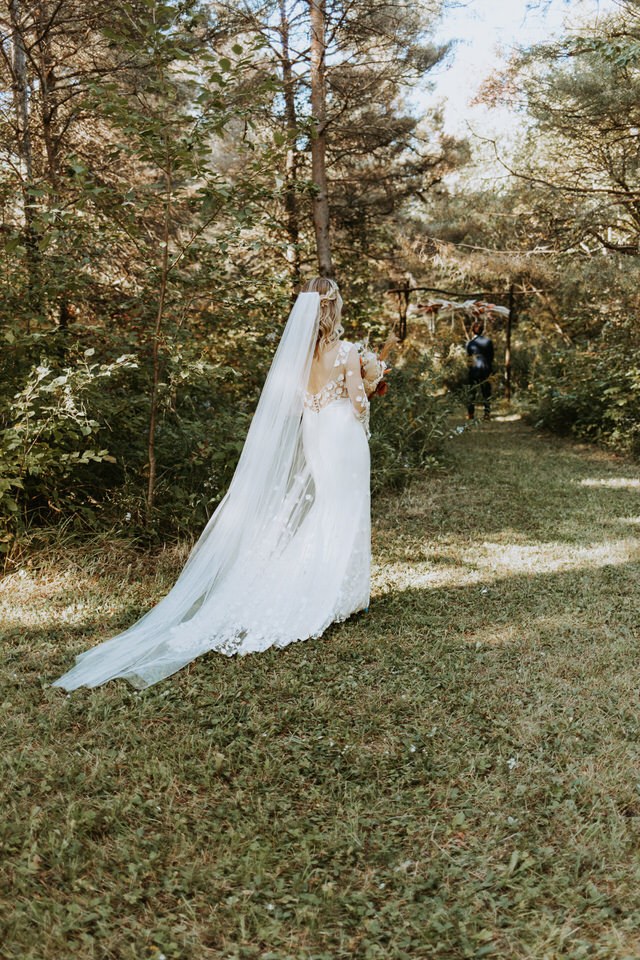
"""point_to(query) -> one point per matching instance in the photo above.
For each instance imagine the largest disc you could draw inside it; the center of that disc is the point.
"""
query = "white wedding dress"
(288, 550)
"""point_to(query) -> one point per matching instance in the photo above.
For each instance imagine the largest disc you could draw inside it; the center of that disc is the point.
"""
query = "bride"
(288, 550)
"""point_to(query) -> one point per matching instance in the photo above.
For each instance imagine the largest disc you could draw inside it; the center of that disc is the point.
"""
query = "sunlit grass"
(621, 483)
(455, 774)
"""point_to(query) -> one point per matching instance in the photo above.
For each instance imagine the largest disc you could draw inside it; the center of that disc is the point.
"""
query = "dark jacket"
(480, 349)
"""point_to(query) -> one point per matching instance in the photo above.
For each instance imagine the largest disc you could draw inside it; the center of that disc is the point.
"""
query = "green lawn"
(454, 774)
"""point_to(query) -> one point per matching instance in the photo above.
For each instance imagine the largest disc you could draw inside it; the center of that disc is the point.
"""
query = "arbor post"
(507, 349)
(403, 306)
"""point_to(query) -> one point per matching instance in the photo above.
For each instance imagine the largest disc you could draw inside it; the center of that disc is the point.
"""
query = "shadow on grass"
(507, 482)
(522, 608)
(535, 493)
(592, 595)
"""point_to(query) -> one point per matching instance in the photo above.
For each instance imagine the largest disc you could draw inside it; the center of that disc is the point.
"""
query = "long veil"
(268, 498)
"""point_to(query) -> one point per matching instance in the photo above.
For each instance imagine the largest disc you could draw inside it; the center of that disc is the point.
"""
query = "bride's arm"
(355, 386)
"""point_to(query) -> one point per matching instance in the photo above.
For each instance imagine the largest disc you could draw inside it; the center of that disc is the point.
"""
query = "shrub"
(591, 391)
(49, 441)
(408, 424)
(73, 437)
(454, 369)
(73, 429)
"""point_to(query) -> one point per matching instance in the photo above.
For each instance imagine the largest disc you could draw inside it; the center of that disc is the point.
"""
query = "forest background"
(171, 171)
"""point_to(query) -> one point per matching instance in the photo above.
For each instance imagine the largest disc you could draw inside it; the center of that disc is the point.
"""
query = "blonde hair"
(329, 327)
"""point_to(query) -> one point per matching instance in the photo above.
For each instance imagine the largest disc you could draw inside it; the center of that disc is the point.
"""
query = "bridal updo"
(329, 327)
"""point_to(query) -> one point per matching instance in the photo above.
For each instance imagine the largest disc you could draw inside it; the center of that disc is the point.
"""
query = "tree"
(290, 199)
(317, 80)
(181, 102)
(50, 54)
(581, 155)
(355, 153)
(20, 85)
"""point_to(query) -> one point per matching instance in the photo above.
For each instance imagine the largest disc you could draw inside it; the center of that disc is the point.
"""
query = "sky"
(487, 31)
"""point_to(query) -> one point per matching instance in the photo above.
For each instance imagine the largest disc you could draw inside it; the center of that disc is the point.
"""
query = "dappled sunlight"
(557, 625)
(86, 586)
(617, 483)
(74, 601)
(508, 418)
(618, 523)
(497, 634)
(489, 561)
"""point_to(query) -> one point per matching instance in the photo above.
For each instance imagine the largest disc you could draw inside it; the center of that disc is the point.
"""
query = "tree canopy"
(171, 171)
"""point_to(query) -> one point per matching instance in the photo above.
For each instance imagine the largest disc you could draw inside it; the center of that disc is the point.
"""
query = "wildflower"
(512, 762)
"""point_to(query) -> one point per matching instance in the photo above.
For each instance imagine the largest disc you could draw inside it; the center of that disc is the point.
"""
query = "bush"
(408, 424)
(50, 440)
(74, 423)
(591, 391)
(454, 370)
(73, 437)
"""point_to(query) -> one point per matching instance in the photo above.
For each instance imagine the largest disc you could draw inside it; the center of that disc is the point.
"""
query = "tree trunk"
(49, 112)
(291, 204)
(48, 94)
(319, 142)
(20, 90)
(403, 307)
(23, 141)
(155, 384)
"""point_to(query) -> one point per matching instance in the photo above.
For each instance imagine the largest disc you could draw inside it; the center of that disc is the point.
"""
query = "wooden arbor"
(510, 296)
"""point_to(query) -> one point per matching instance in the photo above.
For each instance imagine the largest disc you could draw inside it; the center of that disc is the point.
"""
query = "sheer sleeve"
(355, 388)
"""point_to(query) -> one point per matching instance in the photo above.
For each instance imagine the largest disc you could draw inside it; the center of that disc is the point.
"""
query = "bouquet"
(374, 368)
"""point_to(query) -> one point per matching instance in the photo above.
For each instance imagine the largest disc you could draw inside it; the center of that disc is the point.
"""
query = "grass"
(455, 774)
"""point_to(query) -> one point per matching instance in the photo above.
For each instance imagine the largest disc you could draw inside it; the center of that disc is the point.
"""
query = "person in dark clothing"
(480, 354)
